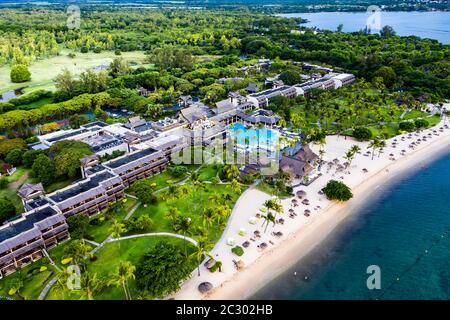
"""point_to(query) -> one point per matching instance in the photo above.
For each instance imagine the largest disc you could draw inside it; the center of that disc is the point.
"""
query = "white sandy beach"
(301, 233)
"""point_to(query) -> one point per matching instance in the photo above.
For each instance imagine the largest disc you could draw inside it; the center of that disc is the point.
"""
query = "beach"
(301, 233)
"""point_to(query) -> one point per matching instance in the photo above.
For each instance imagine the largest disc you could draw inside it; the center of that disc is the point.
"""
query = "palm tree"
(209, 215)
(321, 155)
(90, 285)
(202, 249)
(267, 219)
(117, 229)
(226, 196)
(61, 284)
(215, 198)
(269, 204)
(231, 172)
(355, 149)
(185, 226)
(198, 184)
(380, 145)
(373, 145)
(172, 214)
(123, 274)
(222, 212)
(277, 207)
(235, 186)
(78, 250)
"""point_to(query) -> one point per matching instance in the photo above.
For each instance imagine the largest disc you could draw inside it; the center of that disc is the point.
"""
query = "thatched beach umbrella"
(205, 287)
(262, 246)
(246, 244)
(301, 193)
(208, 264)
(307, 211)
(336, 160)
(291, 210)
(365, 170)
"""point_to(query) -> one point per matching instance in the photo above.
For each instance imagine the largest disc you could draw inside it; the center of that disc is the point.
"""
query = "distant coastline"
(424, 24)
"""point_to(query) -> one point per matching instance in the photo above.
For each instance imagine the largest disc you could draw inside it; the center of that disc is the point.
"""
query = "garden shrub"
(237, 250)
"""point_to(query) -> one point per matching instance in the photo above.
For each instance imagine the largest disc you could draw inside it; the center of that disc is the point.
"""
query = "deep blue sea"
(403, 228)
(427, 24)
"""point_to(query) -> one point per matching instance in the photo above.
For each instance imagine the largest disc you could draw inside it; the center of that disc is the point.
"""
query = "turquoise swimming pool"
(253, 137)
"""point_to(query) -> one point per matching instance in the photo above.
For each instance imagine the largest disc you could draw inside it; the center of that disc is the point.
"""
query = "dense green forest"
(189, 50)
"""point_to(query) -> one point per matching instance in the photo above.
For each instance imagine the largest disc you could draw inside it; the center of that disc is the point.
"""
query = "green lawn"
(44, 71)
(267, 188)
(20, 171)
(109, 257)
(32, 280)
(207, 173)
(100, 232)
(191, 206)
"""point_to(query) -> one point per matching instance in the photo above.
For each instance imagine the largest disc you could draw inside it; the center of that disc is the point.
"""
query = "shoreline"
(302, 240)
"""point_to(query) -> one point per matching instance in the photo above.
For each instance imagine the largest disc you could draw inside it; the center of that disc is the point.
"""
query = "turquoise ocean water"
(403, 228)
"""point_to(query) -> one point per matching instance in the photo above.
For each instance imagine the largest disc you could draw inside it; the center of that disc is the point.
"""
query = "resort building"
(261, 99)
(137, 165)
(300, 164)
(24, 240)
(90, 195)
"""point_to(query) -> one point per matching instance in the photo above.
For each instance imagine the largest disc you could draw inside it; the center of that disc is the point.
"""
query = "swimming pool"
(253, 137)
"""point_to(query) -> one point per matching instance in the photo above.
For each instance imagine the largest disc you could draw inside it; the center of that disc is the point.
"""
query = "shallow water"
(403, 229)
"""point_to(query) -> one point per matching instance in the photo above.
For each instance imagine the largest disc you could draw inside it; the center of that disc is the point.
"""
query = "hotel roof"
(27, 188)
(119, 162)
(67, 135)
(25, 223)
(81, 187)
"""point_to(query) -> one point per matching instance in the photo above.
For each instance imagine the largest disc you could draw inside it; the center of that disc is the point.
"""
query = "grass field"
(100, 232)
(44, 71)
(109, 257)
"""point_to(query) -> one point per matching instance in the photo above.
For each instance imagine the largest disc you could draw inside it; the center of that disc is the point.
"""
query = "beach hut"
(204, 287)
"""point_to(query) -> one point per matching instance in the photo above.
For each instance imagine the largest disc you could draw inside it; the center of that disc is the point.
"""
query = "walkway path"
(47, 288)
(154, 234)
(92, 242)
(16, 184)
(128, 216)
